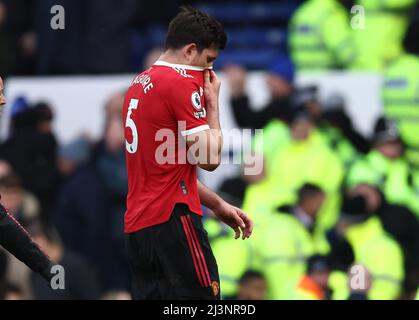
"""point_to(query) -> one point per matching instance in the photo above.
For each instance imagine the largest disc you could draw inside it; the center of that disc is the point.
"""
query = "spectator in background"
(80, 280)
(320, 36)
(252, 286)
(279, 79)
(314, 285)
(73, 155)
(20, 203)
(276, 134)
(336, 127)
(31, 150)
(91, 204)
(272, 118)
(371, 247)
(385, 167)
(400, 95)
(304, 158)
(113, 105)
(287, 239)
(380, 41)
(401, 224)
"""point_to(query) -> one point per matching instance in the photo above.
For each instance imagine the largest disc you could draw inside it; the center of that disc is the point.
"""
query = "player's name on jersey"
(145, 81)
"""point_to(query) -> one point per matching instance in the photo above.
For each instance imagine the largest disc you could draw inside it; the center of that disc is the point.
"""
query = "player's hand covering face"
(211, 89)
(235, 218)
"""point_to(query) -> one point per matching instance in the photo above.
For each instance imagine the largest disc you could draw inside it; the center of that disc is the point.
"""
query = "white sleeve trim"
(194, 130)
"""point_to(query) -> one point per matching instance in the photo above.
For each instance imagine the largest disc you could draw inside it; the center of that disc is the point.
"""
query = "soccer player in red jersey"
(171, 127)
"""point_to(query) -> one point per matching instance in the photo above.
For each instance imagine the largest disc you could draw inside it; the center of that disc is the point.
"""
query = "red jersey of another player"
(158, 102)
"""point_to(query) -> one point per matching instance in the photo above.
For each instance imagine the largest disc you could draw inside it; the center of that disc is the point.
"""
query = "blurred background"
(334, 85)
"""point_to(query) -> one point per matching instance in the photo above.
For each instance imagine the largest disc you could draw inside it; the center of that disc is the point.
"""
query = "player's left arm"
(234, 217)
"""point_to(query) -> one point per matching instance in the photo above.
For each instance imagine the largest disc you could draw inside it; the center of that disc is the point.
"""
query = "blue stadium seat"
(253, 59)
(256, 36)
(249, 12)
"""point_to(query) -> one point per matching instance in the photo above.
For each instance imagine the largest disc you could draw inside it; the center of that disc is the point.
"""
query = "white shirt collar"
(182, 66)
(304, 218)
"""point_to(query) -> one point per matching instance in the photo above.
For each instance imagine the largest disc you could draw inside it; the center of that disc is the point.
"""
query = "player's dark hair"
(193, 26)
(308, 191)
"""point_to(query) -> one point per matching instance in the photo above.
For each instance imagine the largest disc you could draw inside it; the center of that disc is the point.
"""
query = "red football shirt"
(162, 104)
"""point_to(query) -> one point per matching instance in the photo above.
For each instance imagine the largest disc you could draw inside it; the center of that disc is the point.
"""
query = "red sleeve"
(188, 107)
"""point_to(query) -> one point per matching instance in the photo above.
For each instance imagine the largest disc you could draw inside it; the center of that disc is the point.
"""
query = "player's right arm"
(15, 239)
(206, 145)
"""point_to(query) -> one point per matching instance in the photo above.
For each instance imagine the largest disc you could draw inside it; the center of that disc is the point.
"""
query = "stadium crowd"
(330, 206)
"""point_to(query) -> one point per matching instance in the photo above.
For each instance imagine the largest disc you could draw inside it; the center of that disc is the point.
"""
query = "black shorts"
(173, 260)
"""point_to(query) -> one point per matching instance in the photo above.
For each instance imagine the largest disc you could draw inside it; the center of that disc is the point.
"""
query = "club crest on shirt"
(196, 100)
(215, 288)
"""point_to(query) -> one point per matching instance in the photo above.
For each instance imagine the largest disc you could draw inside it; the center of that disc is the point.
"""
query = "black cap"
(299, 101)
(299, 113)
(386, 130)
(355, 209)
(333, 102)
(302, 96)
(318, 263)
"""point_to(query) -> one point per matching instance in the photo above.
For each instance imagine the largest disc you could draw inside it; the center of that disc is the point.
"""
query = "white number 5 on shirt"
(129, 123)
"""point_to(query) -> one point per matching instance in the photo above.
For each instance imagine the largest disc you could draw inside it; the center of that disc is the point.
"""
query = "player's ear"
(190, 51)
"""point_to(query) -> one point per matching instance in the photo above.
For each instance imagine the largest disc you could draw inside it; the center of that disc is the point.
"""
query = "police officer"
(372, 248)
(289, 240)
(401, 224)
(320, 36)
(385, 167)
(279, 79)
(385, 24)
(314, 285)
(336, 127)
(400, 94)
